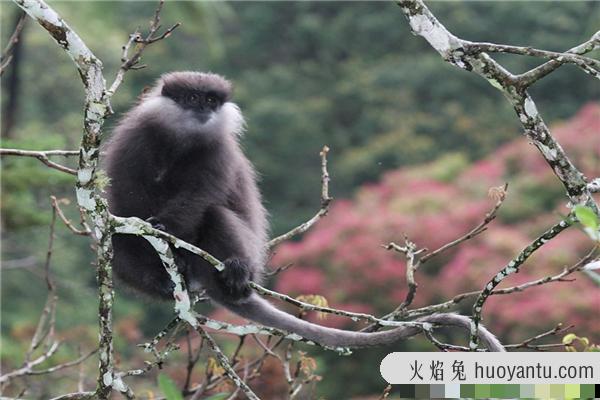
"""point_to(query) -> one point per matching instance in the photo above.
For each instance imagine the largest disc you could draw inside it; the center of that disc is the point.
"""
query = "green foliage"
(575, 343)
(169, 388)
(588, 218)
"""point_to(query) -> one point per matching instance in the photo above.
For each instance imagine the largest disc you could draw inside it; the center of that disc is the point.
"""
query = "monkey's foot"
(156, 224)
(234, 279)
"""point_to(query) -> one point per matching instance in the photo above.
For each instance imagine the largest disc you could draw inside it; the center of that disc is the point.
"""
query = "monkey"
(175, 161)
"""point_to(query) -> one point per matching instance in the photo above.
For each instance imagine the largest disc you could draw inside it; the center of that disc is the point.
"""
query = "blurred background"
(415, 146)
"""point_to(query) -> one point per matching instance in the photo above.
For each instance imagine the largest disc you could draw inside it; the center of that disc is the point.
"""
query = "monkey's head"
(195, 103)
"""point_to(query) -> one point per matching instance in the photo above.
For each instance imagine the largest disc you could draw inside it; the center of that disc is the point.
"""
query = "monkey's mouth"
(203, 116)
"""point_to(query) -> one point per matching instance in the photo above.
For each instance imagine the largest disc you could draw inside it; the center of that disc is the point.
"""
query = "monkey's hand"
(234, 279)
(156, 224)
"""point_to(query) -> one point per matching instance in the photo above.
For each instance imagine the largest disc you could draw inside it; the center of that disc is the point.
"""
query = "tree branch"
(6, 56)
(43, 157)
(325, 202)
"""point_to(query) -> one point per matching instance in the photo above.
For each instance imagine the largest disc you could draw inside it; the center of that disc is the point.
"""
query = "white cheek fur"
(228, 120)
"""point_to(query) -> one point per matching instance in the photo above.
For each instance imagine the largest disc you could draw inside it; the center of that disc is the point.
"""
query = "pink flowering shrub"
(342, 257)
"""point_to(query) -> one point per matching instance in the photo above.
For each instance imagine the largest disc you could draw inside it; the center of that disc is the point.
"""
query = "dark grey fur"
(174, 160)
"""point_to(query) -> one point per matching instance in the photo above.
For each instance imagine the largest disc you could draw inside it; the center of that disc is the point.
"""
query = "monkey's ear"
(145, 91)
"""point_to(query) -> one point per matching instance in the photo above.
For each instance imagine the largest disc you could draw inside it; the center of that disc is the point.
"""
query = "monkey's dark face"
(202, 93)
(194, 105)
(202, 103)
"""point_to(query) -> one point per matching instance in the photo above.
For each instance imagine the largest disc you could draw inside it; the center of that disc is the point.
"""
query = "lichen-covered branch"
(537, 73)
(97, 107)
(222, 358)
(560, 277)
(513, 266)
(472, 57)
(589, 65)
(453, 50)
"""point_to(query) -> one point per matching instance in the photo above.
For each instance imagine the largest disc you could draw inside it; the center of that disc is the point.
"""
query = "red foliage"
(342, 258)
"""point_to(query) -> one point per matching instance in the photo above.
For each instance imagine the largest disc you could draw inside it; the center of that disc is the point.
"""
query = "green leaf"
(168, 388)
(218, 396)
(587, 217)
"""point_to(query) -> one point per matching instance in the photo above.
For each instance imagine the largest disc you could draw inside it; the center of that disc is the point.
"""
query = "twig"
(443, 346)
(279, 270)
(310, 307)
(528, 78)
(229, 371)
(132, 62)
(518, 288)
(83, 232)
(589, 65)
(325, 203)
(526, 344)
(6, 56)
(410, 251)
(489, 217)
(43, 157)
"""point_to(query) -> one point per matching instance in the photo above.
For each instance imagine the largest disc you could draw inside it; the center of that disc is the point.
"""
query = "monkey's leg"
(137, 264)
(226, 236)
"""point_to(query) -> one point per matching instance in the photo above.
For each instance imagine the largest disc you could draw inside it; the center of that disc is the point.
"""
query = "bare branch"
(489, 217)
(561, 277)
(530, 77)
(83, 232)
(325, 202)
(43, 157)
(410, 251)
(222, 358)
(354, 316)
(6, 56)
(452, 49)
(132, 62)
(589, 65)
(527, 343)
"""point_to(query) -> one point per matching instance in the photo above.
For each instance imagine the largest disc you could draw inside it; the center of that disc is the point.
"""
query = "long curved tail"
(260, 310)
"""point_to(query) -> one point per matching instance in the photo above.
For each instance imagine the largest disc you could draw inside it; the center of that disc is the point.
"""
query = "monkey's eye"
(212, 100)
(192, 98)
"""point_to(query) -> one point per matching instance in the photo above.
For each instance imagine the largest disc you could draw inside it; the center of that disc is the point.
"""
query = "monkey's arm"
(182, 214)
